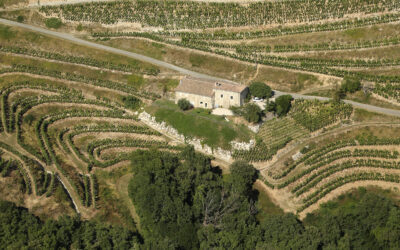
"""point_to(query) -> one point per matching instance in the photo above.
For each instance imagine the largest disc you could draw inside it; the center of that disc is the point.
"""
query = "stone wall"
(172, 132)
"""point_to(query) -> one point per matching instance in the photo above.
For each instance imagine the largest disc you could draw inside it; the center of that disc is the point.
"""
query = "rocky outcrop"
(243, 145)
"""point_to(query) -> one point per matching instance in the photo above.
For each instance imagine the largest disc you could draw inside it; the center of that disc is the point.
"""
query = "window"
(205, 105)
(231, 97)
(222, 96)
(201, 102)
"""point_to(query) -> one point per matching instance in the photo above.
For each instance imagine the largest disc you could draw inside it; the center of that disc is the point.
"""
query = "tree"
(260, 90)
(243, 176)
(22, 230)
(350, 84)
(184, 104)
(252, 112)
(283, 104)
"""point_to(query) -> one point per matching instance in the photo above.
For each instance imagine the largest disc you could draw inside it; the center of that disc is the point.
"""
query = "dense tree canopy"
(185, 203)
(243, 176)
(21, 230)
(260, 90)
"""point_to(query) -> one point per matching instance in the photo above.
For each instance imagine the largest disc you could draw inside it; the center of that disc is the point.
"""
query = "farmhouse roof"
(196, 86)
(206, 87)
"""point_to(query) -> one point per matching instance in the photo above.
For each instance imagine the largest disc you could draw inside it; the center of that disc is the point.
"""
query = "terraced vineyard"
(334, 38)
(56, 132)
(75, 129)
(314, 115)
(277, 131)
(306, 116)
(326, 167)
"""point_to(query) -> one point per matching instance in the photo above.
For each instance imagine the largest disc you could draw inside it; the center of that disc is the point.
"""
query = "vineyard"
(57, 133)
(193, 15)
(291, 35)
(306, 116)
(327, 165)
(69, 113)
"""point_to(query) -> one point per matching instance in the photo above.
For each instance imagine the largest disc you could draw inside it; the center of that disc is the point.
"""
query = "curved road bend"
(68, 37)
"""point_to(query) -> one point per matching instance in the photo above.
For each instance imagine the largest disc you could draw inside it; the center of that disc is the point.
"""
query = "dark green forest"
(185, 203)
(19, 229)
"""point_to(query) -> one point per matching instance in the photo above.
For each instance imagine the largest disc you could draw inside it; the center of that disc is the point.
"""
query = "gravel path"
(181, 70)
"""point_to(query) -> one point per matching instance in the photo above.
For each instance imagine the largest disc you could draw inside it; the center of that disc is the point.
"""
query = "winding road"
(68, 37)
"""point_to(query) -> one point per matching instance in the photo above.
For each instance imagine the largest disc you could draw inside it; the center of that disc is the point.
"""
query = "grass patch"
(53, 23)
(6, 32)
(362, 115)
(136, 80)
(114, 209)
(355, 33)
(304, 80)
(265, 205)
(285, 80)
(347, 202)
(197, 60)
(144, 47)
(168, 84)
(214, 130)
(210, 64)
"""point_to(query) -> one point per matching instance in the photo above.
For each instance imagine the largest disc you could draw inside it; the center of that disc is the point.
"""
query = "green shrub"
(79, 27)
(20, 19)
(260, 90)
(283, 104)
(53, 22)
(131, 102)
(252, 113)
(184, 104)
(350, 84)
(29, 118)
(338, 95)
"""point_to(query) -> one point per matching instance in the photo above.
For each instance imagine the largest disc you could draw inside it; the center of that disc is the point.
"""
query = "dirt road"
(181, 70)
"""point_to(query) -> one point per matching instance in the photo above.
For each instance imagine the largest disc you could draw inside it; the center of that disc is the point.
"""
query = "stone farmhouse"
(210, 94)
